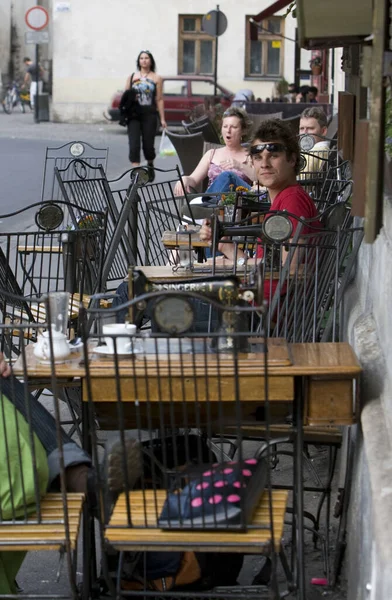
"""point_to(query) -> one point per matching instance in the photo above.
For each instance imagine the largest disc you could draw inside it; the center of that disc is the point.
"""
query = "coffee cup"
(117, 335)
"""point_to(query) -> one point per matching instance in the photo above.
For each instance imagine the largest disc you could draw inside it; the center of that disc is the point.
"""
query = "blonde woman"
(226, 166)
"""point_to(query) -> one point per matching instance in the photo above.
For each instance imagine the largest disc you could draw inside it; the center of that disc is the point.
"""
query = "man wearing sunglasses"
(275, 156)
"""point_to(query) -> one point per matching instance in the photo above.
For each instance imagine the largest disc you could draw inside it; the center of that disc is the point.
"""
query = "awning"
(271, 10)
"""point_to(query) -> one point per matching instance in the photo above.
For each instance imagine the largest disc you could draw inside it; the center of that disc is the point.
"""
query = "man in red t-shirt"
(275, 155)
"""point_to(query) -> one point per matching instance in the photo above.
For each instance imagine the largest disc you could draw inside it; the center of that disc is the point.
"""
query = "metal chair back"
(305, 300)
(204, 126)
(172, 394)
(37, 261)
(61, 156)
(189, 149)
(34, 516)
(88, 188)
(258, 119)
(337, 186)
(157, 209)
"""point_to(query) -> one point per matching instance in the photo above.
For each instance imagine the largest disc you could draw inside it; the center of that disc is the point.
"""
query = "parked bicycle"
(16, 97)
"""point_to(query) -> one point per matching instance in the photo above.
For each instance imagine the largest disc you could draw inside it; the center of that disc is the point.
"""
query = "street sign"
(37, 37)
(214, 24)
(37, 18)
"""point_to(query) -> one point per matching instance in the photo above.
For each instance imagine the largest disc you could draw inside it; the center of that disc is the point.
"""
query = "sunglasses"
(144, 51)
(270, 147)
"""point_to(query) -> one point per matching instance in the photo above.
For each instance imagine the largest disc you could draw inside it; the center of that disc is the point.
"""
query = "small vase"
(228, 213)
(316, 70)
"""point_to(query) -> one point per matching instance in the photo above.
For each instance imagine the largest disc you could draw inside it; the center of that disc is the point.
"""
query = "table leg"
(89, 550)
(298, 492)
(28, 272)
(201, 255)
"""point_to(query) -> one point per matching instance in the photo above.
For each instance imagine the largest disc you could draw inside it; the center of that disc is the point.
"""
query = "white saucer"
(76, 348)
(106, 352)
(56, 362)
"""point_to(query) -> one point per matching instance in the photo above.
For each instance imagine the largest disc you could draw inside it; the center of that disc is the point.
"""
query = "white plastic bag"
(166, 148)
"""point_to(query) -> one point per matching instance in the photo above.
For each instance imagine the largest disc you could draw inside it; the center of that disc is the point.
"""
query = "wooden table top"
(148, 380)
(36, 248)
(325, 358)
(284, 359)
(173, 239)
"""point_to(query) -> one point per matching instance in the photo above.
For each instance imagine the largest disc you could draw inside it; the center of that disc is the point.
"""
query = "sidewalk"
(22, 126)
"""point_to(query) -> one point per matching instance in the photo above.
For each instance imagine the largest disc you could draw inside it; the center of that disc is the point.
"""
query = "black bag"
(128, 105)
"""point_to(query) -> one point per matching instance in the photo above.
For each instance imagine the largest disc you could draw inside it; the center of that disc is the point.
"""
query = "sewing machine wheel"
(277, 228)
(306, 142)
(174, 314)
(302, 163)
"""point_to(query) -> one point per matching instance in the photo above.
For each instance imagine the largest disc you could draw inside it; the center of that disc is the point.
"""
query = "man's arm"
(229, 252)
(160, 102)
(5, 369)
(27, 79)
(227, 249)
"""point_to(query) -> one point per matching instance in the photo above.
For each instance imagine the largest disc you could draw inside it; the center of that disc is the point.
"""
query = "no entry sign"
(37, 18)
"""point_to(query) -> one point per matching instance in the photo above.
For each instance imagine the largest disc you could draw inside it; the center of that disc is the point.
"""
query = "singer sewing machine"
(274, 230)
(176, 312)
(179, 309)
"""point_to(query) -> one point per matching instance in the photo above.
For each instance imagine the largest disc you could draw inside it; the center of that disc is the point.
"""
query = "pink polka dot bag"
(223, 495)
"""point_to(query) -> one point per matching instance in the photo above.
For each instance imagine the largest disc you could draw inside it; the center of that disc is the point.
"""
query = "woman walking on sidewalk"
(140, 105)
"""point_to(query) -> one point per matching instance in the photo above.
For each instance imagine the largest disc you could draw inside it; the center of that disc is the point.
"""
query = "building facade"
(92, 48)
(12, 39)
(95, 46)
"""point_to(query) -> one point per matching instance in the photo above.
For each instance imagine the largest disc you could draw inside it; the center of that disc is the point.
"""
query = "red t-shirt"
(295, 200)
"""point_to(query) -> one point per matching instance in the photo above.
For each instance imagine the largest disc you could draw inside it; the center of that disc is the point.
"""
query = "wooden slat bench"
(50, 533)
(148, 504)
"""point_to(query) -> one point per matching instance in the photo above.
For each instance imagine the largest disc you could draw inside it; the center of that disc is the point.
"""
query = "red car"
(181, 94)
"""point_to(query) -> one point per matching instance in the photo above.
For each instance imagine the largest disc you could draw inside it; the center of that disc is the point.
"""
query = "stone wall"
(369, 330)
(5, 37)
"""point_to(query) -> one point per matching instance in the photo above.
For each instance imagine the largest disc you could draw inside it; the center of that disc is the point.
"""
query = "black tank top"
(144, 91)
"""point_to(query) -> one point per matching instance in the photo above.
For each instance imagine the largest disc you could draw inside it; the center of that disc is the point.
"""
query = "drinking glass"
(59, 308)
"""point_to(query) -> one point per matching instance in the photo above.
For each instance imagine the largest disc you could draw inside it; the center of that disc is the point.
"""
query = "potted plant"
(228, 201)
(84, 245)
(316, 65)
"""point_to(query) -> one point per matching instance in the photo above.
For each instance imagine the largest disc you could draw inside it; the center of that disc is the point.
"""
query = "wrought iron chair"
(61, 156)
(156, 209)
(175, 390)
(88, 188)
(189, 149)
(257, 119)
(34, 516)
(204, 126)
(324, 174)
(49, 256)
(336, 187)
(304, 303)
(304, 300)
